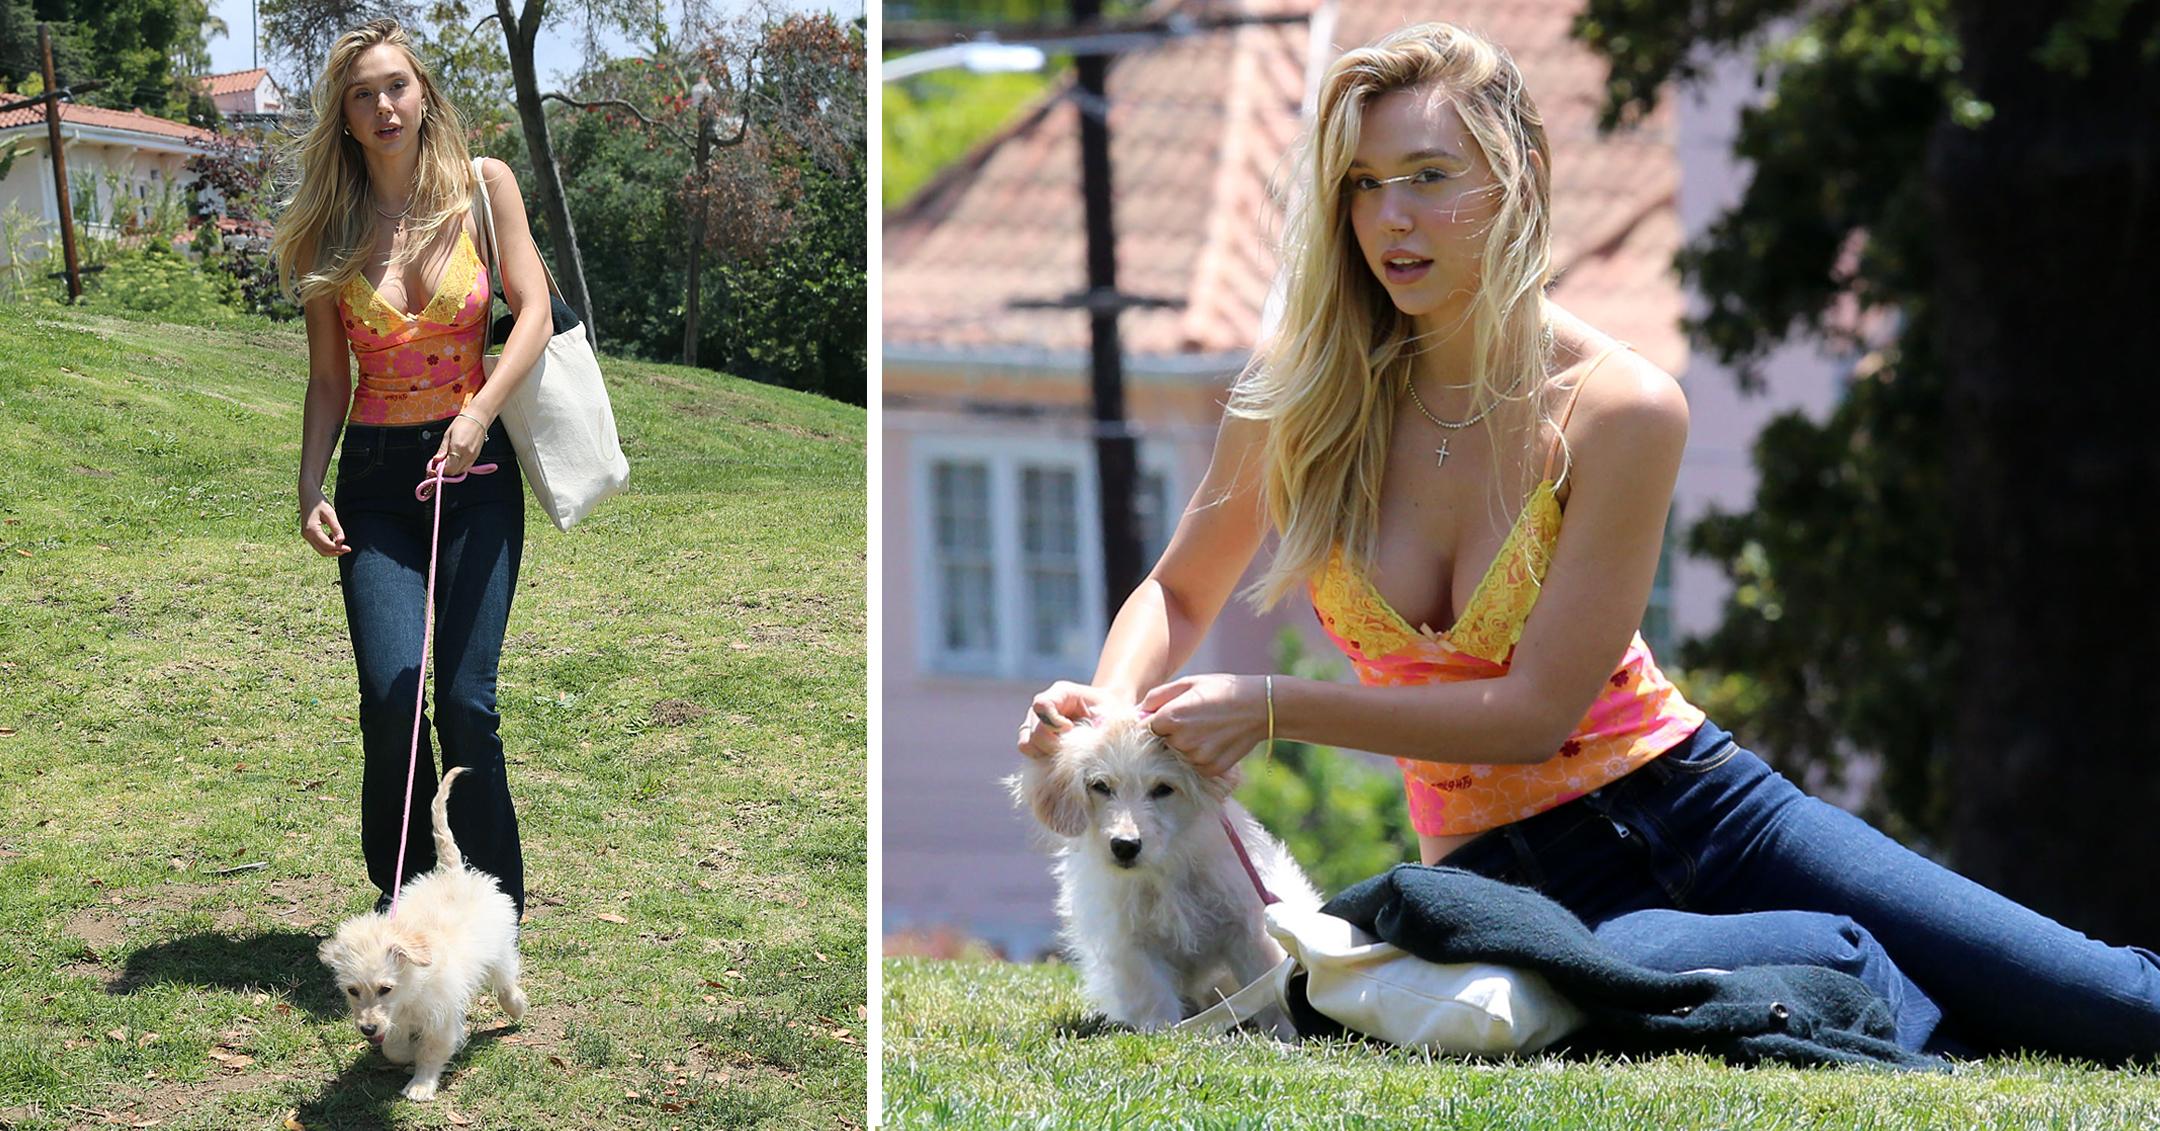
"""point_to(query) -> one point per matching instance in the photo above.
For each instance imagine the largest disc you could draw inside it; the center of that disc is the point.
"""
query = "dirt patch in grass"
(676, 712)
(102, 929)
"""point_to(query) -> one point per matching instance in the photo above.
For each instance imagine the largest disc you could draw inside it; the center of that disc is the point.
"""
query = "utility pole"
(52, 97)
(1116, 461)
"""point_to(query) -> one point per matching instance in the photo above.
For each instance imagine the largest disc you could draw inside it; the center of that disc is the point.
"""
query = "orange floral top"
(414, 369)
(1638, 716)
(1634, 719)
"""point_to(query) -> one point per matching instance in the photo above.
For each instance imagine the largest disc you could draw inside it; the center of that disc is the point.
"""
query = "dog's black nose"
(367, 1030)
(1125, 848)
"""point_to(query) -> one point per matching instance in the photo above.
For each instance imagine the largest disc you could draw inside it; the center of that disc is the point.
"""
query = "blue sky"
(556, 56)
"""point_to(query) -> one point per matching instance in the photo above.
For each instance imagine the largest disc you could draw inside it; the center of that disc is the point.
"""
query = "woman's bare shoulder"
(1628, 394)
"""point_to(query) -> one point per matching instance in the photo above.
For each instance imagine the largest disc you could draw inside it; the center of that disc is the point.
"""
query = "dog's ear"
(412, 949)
(1219, 788)
(1051, 787)
(327, 953)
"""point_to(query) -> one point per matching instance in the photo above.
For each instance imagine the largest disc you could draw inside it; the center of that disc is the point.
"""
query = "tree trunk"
(521, 33)
(2049, 222)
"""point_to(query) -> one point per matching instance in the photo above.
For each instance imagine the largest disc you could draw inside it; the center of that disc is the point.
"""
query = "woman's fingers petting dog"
(1050, 716)
(1210, 720)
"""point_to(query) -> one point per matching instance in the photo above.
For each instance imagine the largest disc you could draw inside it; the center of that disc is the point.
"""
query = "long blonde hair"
(327, 228)
(1328, 380)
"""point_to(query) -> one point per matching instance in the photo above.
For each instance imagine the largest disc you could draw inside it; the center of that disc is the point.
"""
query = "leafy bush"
(158, 280)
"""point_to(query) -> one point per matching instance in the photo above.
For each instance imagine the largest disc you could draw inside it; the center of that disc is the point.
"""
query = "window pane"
(967, 614)
(1151, 516)
(1050, 550)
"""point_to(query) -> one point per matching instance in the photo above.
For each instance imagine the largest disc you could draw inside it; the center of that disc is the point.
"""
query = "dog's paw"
(512, 1002)
(419, 1091)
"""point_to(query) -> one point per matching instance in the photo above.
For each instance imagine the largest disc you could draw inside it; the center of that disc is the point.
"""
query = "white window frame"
(1005, 457)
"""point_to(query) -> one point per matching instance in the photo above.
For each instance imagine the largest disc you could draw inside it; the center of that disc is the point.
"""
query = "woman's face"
(383, 107)
(1422, 198)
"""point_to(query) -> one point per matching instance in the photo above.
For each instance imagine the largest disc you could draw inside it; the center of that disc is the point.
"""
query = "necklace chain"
(1545, 340)
(1441, 453)
(1473, 418)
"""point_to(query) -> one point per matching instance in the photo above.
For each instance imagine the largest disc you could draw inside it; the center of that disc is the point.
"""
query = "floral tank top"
(1636, 717)
(418, 368)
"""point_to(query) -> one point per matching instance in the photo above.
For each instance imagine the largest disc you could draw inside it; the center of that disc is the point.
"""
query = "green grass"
(683, 705)
(989, 1044)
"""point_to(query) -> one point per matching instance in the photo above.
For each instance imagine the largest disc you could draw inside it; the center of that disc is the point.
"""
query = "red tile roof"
(1198, 127)
(132, 120)
(232, 82)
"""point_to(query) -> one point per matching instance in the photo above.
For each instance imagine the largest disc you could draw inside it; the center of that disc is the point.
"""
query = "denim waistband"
(383, 463)
(1510, 848)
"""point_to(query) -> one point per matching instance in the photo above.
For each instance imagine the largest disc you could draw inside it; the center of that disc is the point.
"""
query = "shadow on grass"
(273, 960)
(1085, 1026)
(361, 1097)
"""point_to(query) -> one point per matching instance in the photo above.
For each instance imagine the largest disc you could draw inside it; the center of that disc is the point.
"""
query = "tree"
(140, 49)
(1948, 570)
(301, 32)
(779, 145)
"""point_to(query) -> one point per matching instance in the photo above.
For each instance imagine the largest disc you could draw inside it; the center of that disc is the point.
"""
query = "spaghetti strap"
(1568, 413)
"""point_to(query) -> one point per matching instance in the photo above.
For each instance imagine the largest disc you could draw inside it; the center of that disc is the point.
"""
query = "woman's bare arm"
(1166, 617)
(322, 419)
(1627, 436)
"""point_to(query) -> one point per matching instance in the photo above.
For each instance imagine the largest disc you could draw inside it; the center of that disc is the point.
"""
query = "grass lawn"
(683, 705)
(991, 1044)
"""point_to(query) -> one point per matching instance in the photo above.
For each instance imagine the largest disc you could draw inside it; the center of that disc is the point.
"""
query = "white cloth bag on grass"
(1373, 987)
(559, 419)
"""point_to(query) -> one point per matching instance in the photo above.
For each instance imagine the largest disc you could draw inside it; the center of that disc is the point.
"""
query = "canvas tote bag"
(559, 418)
(1376, 988)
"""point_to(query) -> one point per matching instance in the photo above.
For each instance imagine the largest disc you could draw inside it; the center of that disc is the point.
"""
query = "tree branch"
(640, 114)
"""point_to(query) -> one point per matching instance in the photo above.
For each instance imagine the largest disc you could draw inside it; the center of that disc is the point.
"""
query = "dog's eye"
(1101, 787)
(383, 991)
(352, 991)
(1161, 791)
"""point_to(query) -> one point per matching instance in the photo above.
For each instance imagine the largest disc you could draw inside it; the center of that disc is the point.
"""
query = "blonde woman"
(1471, 485)
(380, 246)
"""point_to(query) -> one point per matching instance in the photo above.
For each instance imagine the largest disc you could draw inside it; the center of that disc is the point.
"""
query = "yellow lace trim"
(367, 304)
(1355, 612)
(1491, 621)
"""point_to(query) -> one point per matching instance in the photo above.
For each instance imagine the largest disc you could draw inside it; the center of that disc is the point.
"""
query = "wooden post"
(1116, 457)
(59, 159)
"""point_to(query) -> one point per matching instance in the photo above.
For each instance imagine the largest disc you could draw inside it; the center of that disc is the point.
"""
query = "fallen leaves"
(610, 917)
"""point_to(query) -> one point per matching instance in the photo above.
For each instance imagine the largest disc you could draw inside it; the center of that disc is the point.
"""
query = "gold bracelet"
(1269, 683)
(474, 419)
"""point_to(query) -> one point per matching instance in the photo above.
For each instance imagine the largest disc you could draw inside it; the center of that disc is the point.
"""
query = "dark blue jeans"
(1711, 830)
(385, 580)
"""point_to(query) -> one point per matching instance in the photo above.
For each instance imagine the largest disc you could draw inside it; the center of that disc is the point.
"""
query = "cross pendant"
(1440, 453)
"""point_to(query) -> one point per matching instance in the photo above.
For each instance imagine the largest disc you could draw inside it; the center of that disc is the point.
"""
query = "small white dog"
(1159, 915)
(410, 977)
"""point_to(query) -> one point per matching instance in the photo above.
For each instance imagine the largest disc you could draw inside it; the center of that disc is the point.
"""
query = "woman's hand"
(319, 525)
(461, 443)
(1212, 720)
(1058, 709)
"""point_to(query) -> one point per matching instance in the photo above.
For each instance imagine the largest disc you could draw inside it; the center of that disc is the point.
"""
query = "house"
(245, 97)
(992, 576)
(128, 159)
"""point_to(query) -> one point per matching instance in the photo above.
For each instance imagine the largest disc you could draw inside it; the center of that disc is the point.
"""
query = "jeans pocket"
(357, 460)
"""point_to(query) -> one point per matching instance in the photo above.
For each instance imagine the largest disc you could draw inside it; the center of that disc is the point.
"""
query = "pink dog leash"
(429, 487)
(1237, 842)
